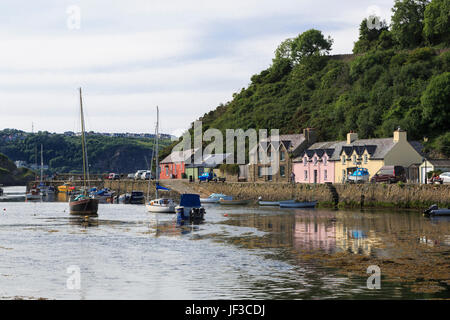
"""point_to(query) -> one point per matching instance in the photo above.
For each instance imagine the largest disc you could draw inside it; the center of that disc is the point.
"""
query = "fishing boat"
(34, 194)
(435, 211)
(215, 197)
(272, 203)
(83, 204)
(190, 208)
(159, 205)
(304, 204)
(234, 202)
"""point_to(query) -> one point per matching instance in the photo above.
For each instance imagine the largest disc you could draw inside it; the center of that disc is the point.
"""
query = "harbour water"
(243, 252)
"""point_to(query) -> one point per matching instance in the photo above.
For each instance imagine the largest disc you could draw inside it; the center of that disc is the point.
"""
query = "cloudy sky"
(187, 57)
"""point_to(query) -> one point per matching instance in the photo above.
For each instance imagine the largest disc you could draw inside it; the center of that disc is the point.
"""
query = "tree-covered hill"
(63, 153)
(398, 75)
(11, 175)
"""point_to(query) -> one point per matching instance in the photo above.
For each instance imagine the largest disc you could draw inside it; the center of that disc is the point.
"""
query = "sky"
(187, 57)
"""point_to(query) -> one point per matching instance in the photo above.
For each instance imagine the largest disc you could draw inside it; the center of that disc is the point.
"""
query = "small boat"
(34, 194)
(158, 205)
(162, 205)
(304, 204)
(435, 211)
(272, 203)
(12, 198)
(190, 208)
(234, 202)
(215, 197)
(102, 195)
(83, 204)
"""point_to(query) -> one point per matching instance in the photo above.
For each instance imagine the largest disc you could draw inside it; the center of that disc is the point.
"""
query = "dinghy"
(273, 203)
(435, 211)
(305, 204)
(215, 197)
(234, 202)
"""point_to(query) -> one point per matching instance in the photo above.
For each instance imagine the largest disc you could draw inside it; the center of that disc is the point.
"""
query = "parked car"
(146, 175)
(113, 176)
(390, 174)
(210, 176)
(130, 176)
(138, 174)
(445, 177)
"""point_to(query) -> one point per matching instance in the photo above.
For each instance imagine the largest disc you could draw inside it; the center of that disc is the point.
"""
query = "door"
(315, 176)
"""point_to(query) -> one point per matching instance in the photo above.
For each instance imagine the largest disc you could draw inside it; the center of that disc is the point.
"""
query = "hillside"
(11, 175)
(390, 80)
(63, 153)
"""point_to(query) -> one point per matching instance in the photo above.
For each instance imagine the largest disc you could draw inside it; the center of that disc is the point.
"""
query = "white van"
(146, 175)
(138, 174)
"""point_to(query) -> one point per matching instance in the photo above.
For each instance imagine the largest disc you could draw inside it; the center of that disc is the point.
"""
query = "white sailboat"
(159, 205)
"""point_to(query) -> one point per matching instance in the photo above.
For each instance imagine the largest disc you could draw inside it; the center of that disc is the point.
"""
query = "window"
(343, 159)
(167, 171)
(305, 161)
(306, 174)
(282, 171)
(365, 158)
(354, 159)
(260, 172)
(324, 161)
(325, 177)
(315, 160)
(282, 156)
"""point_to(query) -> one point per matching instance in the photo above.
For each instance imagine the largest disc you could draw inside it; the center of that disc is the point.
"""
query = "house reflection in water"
(331, 234)
(315, 233)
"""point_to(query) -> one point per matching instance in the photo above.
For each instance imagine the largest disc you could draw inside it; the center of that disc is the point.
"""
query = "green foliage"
(309, 43)
(63, 153)
(435, 103)
(407, 22)
(437, 22)
(371, 38)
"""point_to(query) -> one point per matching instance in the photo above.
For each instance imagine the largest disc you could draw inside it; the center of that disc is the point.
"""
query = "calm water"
(252, 253)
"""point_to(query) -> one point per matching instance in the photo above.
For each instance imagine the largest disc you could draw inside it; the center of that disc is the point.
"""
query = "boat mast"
(42, 163)
(83, 146)
(157, 149)
(151, 166)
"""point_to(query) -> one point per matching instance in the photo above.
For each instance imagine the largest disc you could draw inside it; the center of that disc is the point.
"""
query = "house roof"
(440, 162)
(290, 141)
(179, 156)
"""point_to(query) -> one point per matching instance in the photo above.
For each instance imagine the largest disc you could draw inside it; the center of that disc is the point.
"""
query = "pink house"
(315, 165)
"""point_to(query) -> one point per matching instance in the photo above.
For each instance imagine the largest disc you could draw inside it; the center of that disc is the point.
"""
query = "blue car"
(208, 176)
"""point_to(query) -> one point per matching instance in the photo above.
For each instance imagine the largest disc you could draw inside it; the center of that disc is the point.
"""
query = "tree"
(435, 100)
(309, 43)
(369, 34)
(407, 22)
(437, 22)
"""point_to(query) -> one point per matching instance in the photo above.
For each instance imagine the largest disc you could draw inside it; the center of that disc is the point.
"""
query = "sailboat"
(83, 204)
(160, 205)
(35, 193)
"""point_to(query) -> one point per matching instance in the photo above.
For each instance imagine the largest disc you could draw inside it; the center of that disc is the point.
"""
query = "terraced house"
(268, 155)
(334, 161)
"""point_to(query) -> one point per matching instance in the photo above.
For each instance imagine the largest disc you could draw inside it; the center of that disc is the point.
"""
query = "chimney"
(399, 135)
(310, 135)
(351, 136)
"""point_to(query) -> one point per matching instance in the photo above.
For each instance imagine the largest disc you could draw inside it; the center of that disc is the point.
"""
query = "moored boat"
(215, 197)
(162, 205)
(304, 204)
(435, 211)
(234, 202)
(190, 208)
(83, 204)
(272, 203)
